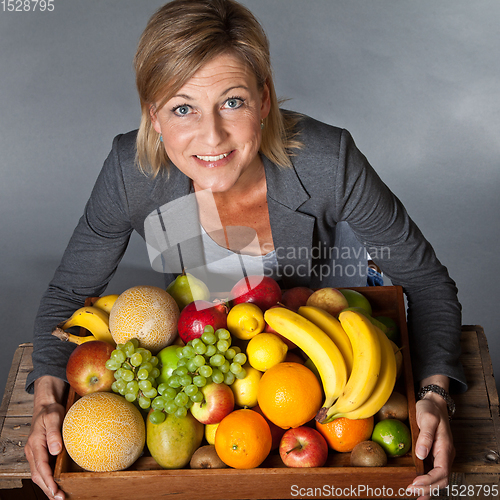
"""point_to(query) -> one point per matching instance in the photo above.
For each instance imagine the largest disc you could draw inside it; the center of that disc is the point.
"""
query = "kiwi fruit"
(368, 454)
(395, 407)
(205, 457)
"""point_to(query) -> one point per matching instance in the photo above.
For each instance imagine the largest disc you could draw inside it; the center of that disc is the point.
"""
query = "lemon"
(210, 430)
(266, 350)
(245, 320)
(245, 389)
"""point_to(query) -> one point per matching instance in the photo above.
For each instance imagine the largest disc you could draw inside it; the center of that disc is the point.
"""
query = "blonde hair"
(179, 39)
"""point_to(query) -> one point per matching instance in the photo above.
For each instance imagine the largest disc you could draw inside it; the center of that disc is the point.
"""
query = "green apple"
(168, 359)
(392, 328)
(356, 299)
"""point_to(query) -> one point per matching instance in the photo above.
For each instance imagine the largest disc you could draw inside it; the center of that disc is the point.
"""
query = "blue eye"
(234, 103)
(181, 110)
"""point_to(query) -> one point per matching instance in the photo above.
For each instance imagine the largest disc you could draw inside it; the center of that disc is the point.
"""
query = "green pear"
(186, 289)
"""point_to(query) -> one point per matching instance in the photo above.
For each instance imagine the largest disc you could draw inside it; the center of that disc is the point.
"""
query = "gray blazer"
(324, 212)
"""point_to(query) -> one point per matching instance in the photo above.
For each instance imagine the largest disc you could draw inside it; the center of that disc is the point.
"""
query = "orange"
(343, 434)
(103, 432)
(289, 394)
(243, 439)
(147, 313)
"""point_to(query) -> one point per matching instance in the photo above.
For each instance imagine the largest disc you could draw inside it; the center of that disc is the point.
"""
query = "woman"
(213, 145)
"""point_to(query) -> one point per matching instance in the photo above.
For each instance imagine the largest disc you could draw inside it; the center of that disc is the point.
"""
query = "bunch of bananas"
(94, 318)
(354, 358)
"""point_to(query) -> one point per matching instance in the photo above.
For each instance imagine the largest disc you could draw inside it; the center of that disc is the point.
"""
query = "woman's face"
(211, 127)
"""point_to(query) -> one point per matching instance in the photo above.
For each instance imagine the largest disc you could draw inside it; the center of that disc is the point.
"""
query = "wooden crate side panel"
(245, 484)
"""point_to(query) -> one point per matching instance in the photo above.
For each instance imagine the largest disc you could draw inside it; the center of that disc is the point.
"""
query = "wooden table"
(476, 427)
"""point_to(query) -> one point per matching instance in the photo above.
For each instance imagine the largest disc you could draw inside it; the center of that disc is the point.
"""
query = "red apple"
(295, 297)
(303, 447)
(260, 290)
(86, 368)
(276, 432)
(197, 315)
(218, 402)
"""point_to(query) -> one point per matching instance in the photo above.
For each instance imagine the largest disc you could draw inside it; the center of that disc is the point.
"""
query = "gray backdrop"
(416, 83)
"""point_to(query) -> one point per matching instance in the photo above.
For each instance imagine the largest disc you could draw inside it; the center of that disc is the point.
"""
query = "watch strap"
(443, 393)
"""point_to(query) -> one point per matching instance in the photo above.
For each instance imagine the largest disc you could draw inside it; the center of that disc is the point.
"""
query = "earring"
(161, 138)
(262, 124)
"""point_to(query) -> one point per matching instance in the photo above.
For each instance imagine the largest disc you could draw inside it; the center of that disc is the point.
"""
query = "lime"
(392, 330)
(393, 435)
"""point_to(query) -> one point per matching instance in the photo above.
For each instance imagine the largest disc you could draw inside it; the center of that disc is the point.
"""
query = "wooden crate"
(272, 479)
(475, 427)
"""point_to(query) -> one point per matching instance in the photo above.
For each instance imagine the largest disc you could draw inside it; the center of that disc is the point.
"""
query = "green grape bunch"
(207, 359)
(135, 370)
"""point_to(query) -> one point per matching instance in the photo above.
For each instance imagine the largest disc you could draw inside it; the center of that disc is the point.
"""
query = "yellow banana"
(366, 363)
(95, 320)
(106, 302)
(69, 337)
(317, 345)
(385, 384)
(332, 327)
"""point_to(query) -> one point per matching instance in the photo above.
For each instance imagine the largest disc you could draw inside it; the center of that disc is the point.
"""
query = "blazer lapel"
(292, 230)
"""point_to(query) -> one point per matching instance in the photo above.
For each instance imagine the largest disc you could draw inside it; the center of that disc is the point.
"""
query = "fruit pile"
(221, 384)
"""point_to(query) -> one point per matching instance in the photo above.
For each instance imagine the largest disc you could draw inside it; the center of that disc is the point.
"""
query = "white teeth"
(212, 158)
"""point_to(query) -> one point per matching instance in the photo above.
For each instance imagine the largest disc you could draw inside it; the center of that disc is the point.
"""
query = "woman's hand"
(45, 434)
(435, 439)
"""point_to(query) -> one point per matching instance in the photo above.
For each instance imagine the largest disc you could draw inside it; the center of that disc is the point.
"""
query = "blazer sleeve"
(398, 247)
(88, 263)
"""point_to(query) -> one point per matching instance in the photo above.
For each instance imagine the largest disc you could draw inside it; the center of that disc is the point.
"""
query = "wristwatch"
(439, 390)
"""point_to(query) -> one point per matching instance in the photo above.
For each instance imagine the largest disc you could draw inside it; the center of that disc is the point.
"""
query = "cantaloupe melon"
(103, 432)
(147, 313)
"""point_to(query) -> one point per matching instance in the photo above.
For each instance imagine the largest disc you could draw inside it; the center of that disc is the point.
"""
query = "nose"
(212, 129)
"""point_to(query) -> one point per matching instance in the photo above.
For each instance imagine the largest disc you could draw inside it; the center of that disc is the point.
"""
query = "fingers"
(428, 421)
(435, 435)
(53, 424)
(45, 435)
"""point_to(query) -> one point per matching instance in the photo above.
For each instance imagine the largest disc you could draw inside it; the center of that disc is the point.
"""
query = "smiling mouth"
(213, 158)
